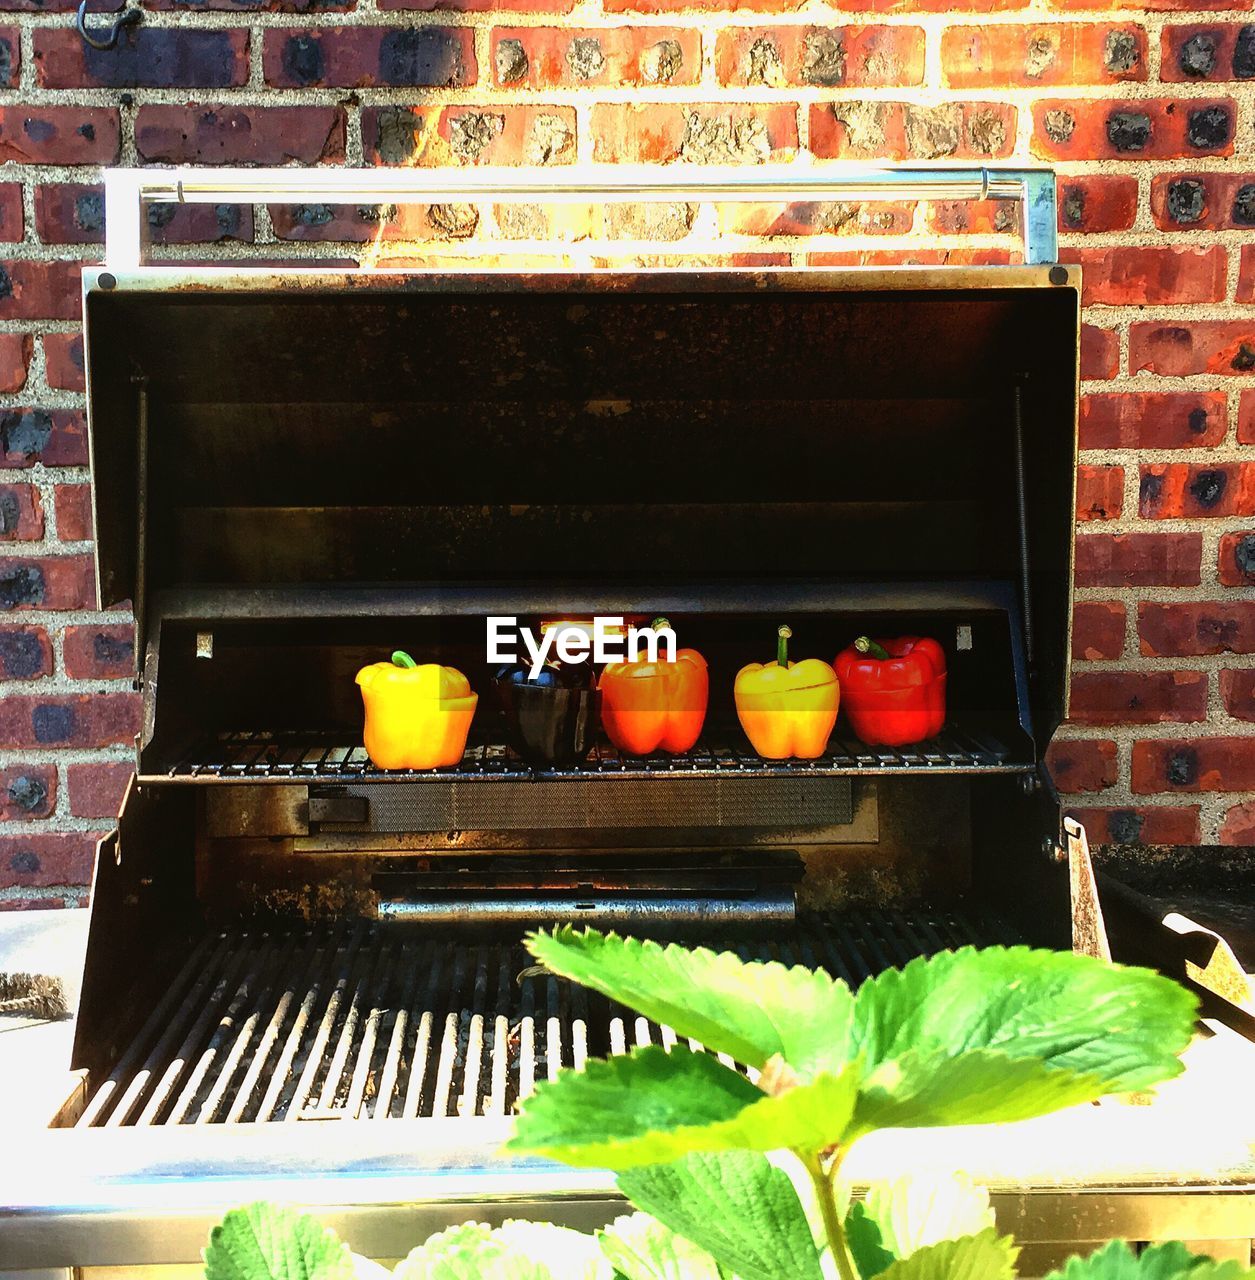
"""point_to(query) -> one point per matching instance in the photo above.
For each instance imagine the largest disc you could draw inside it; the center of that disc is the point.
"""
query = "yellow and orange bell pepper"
(417, 717)
(655, 706)
(787, 708)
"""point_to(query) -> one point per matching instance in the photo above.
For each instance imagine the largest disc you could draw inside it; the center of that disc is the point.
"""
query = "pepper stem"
(782, 646)
(402, 659)
(868, 646)
(658, 623)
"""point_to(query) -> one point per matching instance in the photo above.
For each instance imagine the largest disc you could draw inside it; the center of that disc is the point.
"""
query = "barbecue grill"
(304, 975)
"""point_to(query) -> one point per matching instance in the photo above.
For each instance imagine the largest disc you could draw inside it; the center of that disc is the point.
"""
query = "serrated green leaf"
(516, 1250)
(1173, 1261)
(866, 1242)
(924, 1209)
(750, 1010)
(737, 1206)
(639, 1247)
(270, 1242)
(1123, 1026)
(652, 1106)
(987, 1256)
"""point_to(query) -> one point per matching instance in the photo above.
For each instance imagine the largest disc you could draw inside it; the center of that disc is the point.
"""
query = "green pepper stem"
(402, 659)
(782, 646)
(868, 646)
(659, 623)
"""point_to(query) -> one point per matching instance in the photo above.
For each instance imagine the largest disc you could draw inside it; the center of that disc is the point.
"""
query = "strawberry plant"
(736, 1173)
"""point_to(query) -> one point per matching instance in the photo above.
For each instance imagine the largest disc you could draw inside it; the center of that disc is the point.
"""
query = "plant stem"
(866, 645)
(825, 1192)
(782, 647)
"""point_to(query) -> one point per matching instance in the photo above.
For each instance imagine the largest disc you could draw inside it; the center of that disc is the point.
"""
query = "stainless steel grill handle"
(129, 191)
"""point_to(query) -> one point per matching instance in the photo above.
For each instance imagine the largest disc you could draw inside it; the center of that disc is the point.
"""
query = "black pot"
(551, 722)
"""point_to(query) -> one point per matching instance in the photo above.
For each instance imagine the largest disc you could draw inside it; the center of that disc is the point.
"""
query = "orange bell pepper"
(787, 708)
(417, 717)
(655, 706)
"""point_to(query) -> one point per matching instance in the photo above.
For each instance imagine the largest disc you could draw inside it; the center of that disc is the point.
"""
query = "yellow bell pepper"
(787, 708)
(417, 717)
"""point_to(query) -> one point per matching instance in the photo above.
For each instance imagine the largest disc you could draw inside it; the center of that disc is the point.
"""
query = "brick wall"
(1148, 114)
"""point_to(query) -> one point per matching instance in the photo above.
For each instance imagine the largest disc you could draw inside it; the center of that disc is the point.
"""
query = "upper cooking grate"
(368, 1022)
(322, 756)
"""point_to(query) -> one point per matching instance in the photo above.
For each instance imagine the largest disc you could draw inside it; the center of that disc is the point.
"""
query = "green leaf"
(1117, 1261)
(987, 1256)
(924, 1209)
(866, 1242)
(737, 1206)
(750, 1010)
(652, 1106)
(639, 1247)
(516, 1250)
(1122, 1026)
(269, 1242)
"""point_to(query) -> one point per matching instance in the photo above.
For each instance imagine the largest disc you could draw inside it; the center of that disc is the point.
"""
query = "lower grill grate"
(372, 1023)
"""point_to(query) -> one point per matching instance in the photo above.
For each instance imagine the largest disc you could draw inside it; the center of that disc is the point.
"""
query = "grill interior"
(367, 1022)
(319, 756)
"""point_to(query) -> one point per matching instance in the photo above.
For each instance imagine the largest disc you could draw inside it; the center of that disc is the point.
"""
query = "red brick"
(1196, 490)
(63, 361)
(249, 7)
(73, 504)
(1137, 275)
(1237, 559)
(1153, 420)
(827, 56)
(1237, 688)
(522, 134)
(197, 134)
(550, 57)
(144, 57)
(100, 652)
(974, 217)
(10, 57)
(371, 57)
(1195, 52)
(1238, 827)
(911, 258)
(73, 720)
(1098, 628)
(46, 582)
(15, 359)
(674, 6)
(96, 790)
(31, 290)
(1100, 353)
(55, 437)
(831, 217)
(909, 131)
(1080, 765)
(931, 6)
(1096, 202)
(1042, 53)
(27, 791)
(47, 859)
(1206, 201)
(1246, 271)
(1188, 628)
(472, 6)
(1137, 697)
(1210, 763)
(362, 223)
(1133, 129)
(1203, 346)
(70, 213)
(21, 513)
(25, 653)
(1151, 6)
(1246, 417)
(1099, 493)
(12, 219)
(722, 133)
(1139, 559)
(59, 135)
(56, 6)
(1149, 824)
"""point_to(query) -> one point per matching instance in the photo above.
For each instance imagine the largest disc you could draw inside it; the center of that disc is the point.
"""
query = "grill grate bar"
(369, 1021)
(313, 755)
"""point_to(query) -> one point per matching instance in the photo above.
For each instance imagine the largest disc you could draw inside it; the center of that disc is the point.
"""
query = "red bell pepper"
(893, 692)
